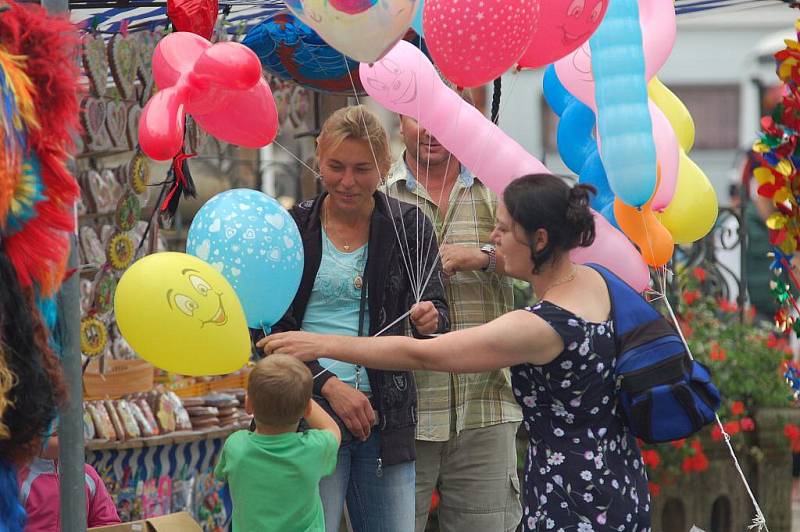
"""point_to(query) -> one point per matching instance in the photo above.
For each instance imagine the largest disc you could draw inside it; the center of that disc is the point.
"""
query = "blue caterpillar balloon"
(576, 146)
(620, 89)
(292, 50)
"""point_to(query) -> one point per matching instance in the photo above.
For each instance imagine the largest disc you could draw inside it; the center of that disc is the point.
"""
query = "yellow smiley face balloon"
(181, 315)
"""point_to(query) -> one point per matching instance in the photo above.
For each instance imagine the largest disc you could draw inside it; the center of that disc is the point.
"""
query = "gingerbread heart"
(114, 186)
(92, 248)
(123, 60)
(117, 123)
(95, 63)
(93, 119)
(101, 193)
(134, 113)
(145, 46)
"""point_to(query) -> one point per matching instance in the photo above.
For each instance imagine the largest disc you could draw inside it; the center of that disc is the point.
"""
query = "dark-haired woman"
(584, 471)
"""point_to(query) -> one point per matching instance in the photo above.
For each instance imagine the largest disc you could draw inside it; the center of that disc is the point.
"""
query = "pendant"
(358, 282)
(346, 247)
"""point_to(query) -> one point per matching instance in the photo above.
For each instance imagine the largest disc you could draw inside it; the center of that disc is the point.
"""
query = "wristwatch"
(489, 250)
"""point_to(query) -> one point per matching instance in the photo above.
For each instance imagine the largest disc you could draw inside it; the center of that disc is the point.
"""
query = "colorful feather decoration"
(16, 112)
(49, 44)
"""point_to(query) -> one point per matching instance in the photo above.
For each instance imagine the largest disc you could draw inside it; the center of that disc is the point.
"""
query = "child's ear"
(308, 409)
(248, 405)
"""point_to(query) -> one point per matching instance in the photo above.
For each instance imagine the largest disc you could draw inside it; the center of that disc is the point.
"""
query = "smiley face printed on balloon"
(200, 301)
(399, 84)
(580, 20)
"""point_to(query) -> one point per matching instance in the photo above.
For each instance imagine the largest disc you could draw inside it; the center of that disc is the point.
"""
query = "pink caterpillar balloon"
(657, 19)
(220, 85)
(405, 82)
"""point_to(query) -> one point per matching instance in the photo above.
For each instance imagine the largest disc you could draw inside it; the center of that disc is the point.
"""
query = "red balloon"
(195, 16)
(220, 85)
(564, 25)
(474, 41)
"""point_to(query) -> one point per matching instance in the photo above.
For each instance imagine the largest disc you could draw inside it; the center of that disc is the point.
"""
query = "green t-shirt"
(274, 480)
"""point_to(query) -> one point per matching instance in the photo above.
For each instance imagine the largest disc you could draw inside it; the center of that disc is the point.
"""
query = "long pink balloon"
(405, 82)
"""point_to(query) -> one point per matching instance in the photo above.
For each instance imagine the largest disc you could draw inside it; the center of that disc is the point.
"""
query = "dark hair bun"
(545, 201)
(579, 216)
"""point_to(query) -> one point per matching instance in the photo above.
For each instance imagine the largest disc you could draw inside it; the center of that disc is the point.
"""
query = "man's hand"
(457, 258)
(351, 405)
(425, 317)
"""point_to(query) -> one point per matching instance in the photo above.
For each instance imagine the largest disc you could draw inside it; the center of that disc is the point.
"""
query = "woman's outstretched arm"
(515, 338)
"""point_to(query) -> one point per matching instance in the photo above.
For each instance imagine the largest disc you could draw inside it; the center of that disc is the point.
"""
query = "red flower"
(727, 306)
(699, 274)
(732, 427)
(737, 408)
(748, 425)
(678, 443)
(791, 431)
(690, 296)
(717, 353)
(700, 462)
(688, 464)
(655, 489)
(651, 458)
(716, 433)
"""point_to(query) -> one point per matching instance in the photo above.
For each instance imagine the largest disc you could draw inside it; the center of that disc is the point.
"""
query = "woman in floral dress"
(584, 470)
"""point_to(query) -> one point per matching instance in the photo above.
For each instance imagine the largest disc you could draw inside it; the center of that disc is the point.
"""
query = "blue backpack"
(664, 394)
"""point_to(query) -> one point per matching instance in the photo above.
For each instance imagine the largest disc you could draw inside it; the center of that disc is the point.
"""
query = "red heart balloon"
(195, 16)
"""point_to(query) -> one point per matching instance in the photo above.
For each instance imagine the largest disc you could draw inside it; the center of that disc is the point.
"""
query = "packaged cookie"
(115, 188)
(205, 422)
(148, 414)
(104, 429)
(145, 428)
(88, 425)
(196, 411)
(165, 414)
(192, 401)
(115, 420)
(182, 421)
(120, 251)
(128, 421)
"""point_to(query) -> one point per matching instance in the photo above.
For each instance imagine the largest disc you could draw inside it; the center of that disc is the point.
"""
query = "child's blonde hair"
(279, 388)
(358, 123)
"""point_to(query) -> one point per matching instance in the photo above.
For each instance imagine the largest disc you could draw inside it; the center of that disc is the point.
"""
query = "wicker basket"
(190, 388)
(121, 377)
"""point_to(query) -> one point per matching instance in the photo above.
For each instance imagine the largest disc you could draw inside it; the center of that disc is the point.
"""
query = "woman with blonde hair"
(361, 278)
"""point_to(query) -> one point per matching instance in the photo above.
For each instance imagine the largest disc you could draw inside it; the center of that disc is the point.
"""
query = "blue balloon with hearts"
(255, 244)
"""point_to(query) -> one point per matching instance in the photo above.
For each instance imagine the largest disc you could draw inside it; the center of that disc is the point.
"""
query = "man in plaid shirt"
(466, 431)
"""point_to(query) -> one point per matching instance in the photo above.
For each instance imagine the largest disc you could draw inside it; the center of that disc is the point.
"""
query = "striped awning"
(111, 16)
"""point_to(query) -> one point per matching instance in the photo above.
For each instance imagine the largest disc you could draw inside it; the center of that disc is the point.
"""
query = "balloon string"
(406, 259)
(339, 362)
(298, 159)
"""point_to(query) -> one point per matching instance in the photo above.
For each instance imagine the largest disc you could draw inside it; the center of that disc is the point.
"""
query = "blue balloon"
(629, 154)
(255, 245)
(576, 145)
(416, 24)
(291, 50)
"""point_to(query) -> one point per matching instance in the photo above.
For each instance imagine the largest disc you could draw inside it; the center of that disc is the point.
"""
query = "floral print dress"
(583, 471)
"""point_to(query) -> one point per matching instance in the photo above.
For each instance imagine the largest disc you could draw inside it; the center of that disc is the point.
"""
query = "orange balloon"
(641, 225)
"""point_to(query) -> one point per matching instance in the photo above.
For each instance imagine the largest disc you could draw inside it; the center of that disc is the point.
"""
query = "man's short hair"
(279, 388)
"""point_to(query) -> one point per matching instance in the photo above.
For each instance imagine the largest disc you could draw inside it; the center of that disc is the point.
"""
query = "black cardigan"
(389, 296)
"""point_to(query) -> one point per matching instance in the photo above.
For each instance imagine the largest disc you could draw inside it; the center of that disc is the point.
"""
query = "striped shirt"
(449, 403)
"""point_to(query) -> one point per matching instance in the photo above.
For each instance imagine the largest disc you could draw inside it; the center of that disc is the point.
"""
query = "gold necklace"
(358, 280)
(567, 278)
(346, 244)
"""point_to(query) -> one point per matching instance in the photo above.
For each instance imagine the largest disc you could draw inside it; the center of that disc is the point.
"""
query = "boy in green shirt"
(274, 472)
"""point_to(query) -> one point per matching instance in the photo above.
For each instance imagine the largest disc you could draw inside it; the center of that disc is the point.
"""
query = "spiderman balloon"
(291, 50)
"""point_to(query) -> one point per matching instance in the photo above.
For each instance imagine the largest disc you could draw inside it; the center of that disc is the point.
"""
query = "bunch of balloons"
(471, 41)
(637, 158)
(188, 313)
